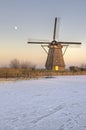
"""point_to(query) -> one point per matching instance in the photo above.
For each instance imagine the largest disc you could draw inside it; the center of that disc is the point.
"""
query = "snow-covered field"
(57, 103)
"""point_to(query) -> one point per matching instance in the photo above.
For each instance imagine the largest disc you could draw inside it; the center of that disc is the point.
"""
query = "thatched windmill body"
(55, 60)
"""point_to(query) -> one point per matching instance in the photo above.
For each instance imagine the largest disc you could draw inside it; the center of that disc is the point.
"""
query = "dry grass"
(27, 73)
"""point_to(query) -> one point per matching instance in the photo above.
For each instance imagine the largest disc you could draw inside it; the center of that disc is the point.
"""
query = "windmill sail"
(54, 34)
(55, 60)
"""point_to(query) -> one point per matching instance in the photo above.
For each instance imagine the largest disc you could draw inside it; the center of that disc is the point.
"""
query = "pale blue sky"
(35, 19)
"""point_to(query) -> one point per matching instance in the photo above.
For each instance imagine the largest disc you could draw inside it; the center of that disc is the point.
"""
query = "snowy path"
(45, 104)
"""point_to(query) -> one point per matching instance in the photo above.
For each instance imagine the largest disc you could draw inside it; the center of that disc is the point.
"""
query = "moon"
(15, 27)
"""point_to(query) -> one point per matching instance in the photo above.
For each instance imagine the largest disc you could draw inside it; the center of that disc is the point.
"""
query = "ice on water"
(57, 103)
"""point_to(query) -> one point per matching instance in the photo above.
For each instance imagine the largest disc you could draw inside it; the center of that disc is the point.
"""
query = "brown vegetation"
(30, 73)
(18, 69)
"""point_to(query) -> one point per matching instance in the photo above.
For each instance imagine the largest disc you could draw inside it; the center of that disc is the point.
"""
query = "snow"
(57, 103)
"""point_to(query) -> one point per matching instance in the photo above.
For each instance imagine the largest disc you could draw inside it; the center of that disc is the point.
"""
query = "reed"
(28, 73)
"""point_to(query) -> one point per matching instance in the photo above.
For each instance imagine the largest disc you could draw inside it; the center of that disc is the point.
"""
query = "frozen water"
(57, 103)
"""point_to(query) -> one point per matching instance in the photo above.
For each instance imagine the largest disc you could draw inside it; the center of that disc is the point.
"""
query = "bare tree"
(25, 65)
(83, 66)
(15, 64)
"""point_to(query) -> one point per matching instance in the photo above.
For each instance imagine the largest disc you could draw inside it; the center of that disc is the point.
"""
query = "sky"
(22, 20)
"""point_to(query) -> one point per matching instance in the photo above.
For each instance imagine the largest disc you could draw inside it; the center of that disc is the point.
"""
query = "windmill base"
(55, 59)
(58, 68)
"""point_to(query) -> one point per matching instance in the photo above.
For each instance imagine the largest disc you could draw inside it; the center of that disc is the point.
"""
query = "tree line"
(16, 64)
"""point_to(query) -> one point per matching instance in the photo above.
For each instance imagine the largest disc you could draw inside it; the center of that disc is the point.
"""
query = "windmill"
(55, 60)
